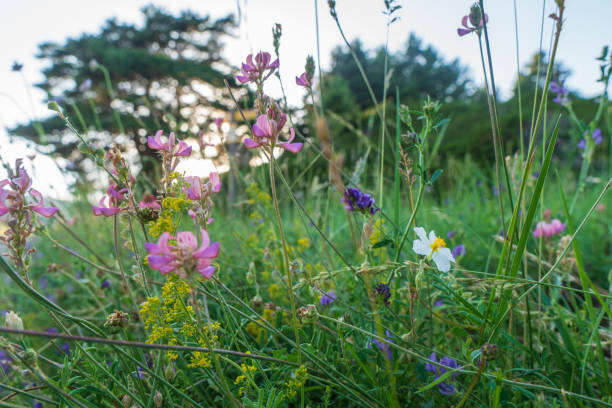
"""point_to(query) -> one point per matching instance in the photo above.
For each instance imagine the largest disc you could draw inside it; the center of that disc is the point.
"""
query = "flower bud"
(169, 372)
(158, 399)
(13, 321)
(30, 357)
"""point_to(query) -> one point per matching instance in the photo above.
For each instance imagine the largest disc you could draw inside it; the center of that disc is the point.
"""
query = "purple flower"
(85, 85)
(562, 97)
(458, 251)
(17, 66)
(384, 347)
(383, 292)
(328, 298)
(450, 234)
(16, 196)
(438, 303)
(105, 284)
(445, 388)
(5, 362)
(596, 136)
(355, 200)
(168, 146)
(255, 71)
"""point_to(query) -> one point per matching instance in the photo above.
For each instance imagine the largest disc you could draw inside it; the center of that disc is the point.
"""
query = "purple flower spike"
(384, 347)
(458, 251)
(328, 298)
(355, 200)
(445, 387)
(304, 80)
(255, 71)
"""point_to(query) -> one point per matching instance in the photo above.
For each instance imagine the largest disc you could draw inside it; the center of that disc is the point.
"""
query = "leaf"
(435, 176)
(382, 243)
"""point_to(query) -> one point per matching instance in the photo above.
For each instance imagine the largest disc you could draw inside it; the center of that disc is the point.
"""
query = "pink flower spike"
(194, 192)
(102, 209)
(4, 194)
(304, 80)
(38, 207)
(156, 142)
(557, 226)
(184, 149)
(215, 181)
(23, 182)
(263, 127)
(148, 201)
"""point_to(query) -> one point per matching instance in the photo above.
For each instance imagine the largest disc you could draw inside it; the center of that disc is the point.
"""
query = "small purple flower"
(438, 303)
(475, 20)
(328, 298)
(562, 97)
(85, 85)
(139, 373)
(450, 234)
(596, 136)
(255, 71)
(384, 347)
(355, 200)
(105, 284)
(17, 66)
(304, 80)
(383, 292)
(445, 388)
(5, 362)
(458, 251)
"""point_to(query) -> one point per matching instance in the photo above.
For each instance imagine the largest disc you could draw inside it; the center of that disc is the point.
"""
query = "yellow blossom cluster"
(170, 320)
(298, 379)
(269, 315)
(242, 379)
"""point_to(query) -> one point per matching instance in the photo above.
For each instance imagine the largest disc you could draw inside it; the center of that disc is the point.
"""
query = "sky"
(27, 23)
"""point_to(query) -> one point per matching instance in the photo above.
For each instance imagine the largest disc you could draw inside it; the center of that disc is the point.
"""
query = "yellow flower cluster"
(258, 197)
(170, 319)
(269, 315)
(298, 379)
(165, 222)
(162, 224)
(242, 379)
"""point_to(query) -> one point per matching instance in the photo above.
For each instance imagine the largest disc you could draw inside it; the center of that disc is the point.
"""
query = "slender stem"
(285, 257)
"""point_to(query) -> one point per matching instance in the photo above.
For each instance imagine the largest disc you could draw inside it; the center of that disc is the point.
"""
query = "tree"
(127, 81)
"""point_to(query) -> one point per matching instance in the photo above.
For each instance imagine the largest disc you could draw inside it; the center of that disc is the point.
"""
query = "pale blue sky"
(25, 24)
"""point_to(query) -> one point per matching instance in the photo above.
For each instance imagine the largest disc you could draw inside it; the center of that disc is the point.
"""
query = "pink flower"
(148, 201)
(38, 207)
(169, 146)
(304, 80)
(102, 209)
(544, 229)
(475, 20)
(197, 189)
(117, 194)
(256, 71)
(16, 197)
(218, 122)
(266, 131)
(181, 255)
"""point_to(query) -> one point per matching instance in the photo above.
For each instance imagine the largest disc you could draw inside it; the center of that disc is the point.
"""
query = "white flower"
(13, 321)
(433, 248)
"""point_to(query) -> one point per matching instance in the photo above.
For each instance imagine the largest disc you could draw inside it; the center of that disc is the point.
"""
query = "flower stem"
(285, 257)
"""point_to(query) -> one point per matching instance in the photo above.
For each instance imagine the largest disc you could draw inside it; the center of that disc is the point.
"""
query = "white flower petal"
(442, 263)
(432, 236)
(421, 233)
(445, 252)
(421, 247)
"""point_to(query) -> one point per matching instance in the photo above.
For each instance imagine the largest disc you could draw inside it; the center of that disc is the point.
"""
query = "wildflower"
(169, 146)
(304, 80)
(105, 284)
(383, 292)
(197, 189)
(85, 85)
(562, 97)
(354, 199)
(218, 122)
(434, 248)
(545, 229)
(183, 256)
(445, 388)
(103, 209)
(13, 321)
(328, 298)
(16, 197)
(5, 362)
(474, 18)
(266, 130)
(255, 71)
(596, 136)
(148, 201)
(17, 66)
(383, 346)
(458, 251)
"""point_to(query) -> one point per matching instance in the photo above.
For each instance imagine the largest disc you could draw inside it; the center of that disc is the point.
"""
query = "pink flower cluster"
(267, 129)
(545, 229)
(168, 146)
(182, 255)
(304, 80)
(198, 189)
(475, 21)
(255, 71)
(13, 200)
(149, 201)
(115, 195)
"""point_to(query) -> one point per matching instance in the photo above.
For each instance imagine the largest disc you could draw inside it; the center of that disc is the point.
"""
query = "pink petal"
(186, 239)
(211, 252)
(292, 147)
(207, 271)
(213, 177)
(23, 181)
(464, 31)
(464, 21)
(159, 262)
(250, 143)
